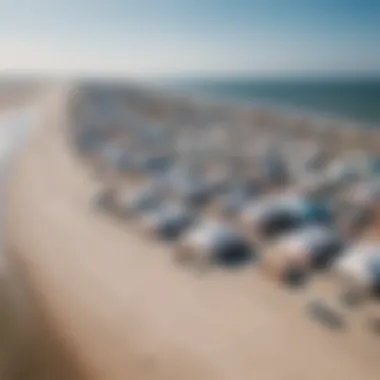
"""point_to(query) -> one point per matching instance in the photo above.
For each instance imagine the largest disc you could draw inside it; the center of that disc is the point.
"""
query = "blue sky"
(140, 37)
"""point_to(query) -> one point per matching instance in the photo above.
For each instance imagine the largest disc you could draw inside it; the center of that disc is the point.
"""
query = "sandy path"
(125, 311)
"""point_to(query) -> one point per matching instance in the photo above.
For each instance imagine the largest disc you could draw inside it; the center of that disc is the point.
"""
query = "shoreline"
(286, 111)
(293, 94)
(338, 131)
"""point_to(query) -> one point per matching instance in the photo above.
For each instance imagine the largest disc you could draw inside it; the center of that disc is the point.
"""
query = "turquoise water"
(355, 99)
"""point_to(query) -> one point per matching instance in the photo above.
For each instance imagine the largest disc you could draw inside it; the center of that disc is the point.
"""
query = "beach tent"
(181, 176)
(218, 182)
(273, 169)
(354, 219)
(359, 266)
(358, 207)
(356, 279)
(145, 198)
(110, 154)
(239, 196)
(277, 214)
(311, 247)
(357, 274)
(155, 134)
(190, 186)
(126, 163)
(304, 158)
(88, 140)
(169, 221)
(212, 242)
(317, 186)
(157, 164)
(196, 193)
(366, 193)
(357, 166)
(234, 202)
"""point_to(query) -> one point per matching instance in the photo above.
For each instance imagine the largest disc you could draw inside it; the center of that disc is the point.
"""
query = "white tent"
(356, 264)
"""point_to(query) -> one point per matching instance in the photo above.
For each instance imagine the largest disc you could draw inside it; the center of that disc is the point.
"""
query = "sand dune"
(115, 305)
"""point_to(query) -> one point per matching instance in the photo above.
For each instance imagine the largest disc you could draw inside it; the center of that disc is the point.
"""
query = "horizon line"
(198, 75)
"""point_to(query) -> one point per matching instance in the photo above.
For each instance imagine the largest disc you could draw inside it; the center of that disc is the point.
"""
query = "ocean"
(351, 99)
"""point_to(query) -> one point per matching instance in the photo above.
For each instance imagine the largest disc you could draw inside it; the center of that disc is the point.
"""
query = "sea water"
(352, 99)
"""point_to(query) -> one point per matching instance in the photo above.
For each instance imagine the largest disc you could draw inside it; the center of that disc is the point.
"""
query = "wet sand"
(119, 308)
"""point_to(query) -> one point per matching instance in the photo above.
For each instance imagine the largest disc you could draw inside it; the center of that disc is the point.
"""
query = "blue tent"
(313, 211)
(229, 248)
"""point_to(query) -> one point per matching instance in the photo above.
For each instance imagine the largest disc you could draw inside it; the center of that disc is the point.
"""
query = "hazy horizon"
(176, 37)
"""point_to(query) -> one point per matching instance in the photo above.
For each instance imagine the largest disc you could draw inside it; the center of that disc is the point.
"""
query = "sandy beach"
(17, 92)
(107, 303)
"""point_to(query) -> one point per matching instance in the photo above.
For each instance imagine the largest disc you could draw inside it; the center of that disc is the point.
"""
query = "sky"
(181, 37)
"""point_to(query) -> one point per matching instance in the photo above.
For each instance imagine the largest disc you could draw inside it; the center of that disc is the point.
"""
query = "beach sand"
(110, 304)
(15, 93)
(25, 343)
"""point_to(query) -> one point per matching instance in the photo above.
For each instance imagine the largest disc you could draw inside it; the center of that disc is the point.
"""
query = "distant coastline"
(349, 99)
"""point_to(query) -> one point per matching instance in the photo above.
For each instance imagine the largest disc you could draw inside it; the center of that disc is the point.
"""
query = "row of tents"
(231, 194)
